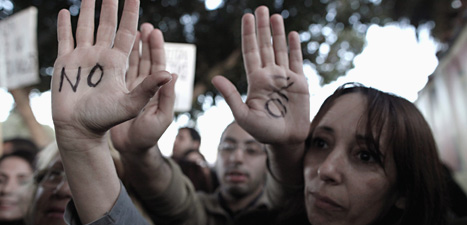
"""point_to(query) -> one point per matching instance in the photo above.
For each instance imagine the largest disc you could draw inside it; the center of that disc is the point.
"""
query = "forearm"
(38, 134)
(286, 163)
(91, 175)
(146, 171)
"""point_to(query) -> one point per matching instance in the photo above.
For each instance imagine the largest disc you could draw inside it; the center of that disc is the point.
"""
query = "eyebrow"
(249, 141)
(253, 141)
(229, 139)
(331, 130)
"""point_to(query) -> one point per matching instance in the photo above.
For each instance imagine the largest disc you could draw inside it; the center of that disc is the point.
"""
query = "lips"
(55, 212)
(236, 176)
(6, 204)
(326, 203)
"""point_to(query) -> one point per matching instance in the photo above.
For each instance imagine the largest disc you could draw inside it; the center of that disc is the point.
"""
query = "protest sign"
(18, 51)
(181, 60)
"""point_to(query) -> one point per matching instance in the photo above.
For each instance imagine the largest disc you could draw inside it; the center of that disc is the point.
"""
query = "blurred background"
(416, 49)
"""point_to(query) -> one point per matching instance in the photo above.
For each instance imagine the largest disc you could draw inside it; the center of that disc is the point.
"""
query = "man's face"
(241, 163)
(14, 175)
(183, 142)
(52, 196)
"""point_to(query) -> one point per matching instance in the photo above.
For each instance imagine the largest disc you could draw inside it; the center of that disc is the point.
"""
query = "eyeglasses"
(251, 149)
(53, 178)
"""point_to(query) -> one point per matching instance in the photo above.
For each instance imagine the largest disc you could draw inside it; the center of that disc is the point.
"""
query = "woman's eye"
(320, 143)
(366, 156)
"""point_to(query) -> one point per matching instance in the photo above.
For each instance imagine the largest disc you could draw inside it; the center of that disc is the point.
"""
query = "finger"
(296, 57)
(133, 64)
(231, 96)
(127, 30)
(156, 42)
(167, 97)
(141, 94)
(279, 41)
(145, 61)
(85, 28)
(107, 23)
(64, 33)
(250, 51)
(264, 36)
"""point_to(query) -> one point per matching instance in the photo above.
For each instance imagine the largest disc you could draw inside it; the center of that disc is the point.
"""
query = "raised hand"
(89, 93)
(143, 132)
(277, 107)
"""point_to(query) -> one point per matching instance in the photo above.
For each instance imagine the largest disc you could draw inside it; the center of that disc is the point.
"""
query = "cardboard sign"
(181, 60)
(18, 51)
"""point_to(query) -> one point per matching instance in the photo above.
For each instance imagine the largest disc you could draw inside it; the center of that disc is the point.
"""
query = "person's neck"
(236, 204)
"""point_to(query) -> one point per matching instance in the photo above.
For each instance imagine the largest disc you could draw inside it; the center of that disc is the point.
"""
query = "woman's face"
(15, 173)
(344, 184)
(52, 196)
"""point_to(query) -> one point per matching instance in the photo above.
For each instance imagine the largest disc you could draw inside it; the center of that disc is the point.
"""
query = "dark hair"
(25, 144)
(193, 133)
(196, 151)
(27, 155)
(407, 134)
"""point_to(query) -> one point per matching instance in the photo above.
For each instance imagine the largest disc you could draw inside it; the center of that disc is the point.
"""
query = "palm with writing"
(89, 92)
(276, 110)
(143, 132)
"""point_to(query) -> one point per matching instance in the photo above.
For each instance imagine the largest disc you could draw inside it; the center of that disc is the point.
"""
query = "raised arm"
(136, 139)
(276, 111)
(167, 196)
(89, 96)
(38, 133)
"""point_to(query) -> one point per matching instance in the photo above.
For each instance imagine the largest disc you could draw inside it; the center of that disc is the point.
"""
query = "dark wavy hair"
(194, 134)
(420, 177)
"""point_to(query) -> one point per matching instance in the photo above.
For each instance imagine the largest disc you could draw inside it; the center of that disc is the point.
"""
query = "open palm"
(144, 131)
(89, 92)
(277, 107)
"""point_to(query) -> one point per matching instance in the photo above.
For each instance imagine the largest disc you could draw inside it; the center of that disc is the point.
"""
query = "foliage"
(332, 31)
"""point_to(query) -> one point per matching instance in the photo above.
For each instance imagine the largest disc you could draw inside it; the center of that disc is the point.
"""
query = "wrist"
(140, 157)
(287, 148)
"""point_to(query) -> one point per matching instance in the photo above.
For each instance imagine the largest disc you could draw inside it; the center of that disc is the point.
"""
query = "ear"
(400, 203)
(196, 145)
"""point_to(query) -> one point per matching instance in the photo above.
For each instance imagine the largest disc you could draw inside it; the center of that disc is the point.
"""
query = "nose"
(331, 169)
(9, 187)
(63, 189)
(237, 156)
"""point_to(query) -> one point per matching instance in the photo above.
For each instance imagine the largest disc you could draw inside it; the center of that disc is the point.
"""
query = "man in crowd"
(83, 112)
(187, 139)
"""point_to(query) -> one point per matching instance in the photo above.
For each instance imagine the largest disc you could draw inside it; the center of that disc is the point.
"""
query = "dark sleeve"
(123, 212)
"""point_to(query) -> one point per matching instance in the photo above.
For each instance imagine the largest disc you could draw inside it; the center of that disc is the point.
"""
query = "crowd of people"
(367, 157)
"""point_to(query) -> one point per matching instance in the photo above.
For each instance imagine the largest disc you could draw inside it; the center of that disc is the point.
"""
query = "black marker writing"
(75, 86)
(91, 74)
(97, 66)
(278, 101)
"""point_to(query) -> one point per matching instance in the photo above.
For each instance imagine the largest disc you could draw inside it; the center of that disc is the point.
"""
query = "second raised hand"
(277, 107)
(143, 132)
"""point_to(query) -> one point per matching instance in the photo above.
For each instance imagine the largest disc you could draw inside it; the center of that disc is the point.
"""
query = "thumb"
(141, 94)
(231, 96)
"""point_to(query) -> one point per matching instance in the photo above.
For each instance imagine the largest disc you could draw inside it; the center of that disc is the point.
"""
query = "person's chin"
(52, 218)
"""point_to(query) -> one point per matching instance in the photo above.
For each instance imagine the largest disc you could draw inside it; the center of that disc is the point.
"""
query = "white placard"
(18, 51)
(181, 59)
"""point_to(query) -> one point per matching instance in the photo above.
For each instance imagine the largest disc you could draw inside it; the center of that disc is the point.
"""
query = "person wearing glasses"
(93, 93)
(248, 192)
(51, 192)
